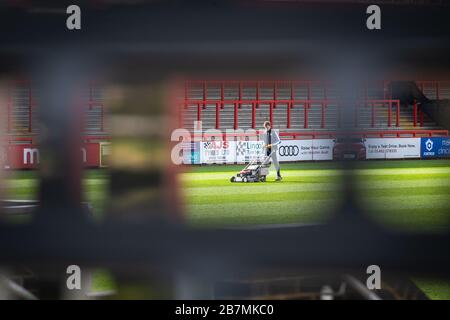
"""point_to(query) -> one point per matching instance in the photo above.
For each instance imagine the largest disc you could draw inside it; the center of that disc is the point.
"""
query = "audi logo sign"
(306, 150)
(289, 150)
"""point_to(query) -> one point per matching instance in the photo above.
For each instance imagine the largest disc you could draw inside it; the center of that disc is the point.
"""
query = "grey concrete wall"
(439, 111)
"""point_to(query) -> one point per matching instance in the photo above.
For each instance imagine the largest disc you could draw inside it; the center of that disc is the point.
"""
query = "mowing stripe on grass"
(415, 186)
(410, 202)
(413, 219)
(280, 197)
(254, 212)
(219, 174)
(260, 188)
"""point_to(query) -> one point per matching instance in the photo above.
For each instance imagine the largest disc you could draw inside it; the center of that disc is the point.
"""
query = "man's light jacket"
(275, 139)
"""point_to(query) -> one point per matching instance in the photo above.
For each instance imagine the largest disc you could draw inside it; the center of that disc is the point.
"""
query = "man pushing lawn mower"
(271, 142)
(257, 172)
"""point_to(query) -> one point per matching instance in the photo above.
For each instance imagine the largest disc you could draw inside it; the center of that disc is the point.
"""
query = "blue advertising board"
(191, 153)
(435, 147)
(195, 155)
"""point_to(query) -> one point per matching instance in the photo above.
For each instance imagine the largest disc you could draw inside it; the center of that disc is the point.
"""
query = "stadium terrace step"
(20, 115)
(333, 118)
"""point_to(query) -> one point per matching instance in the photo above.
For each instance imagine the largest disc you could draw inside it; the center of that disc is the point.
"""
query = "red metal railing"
(255, 103)
(365, 134)
(306, 102)
(283, 135)
(32, 140)
(326, 134)
(13, 140)
(31, 104)
(419, 111)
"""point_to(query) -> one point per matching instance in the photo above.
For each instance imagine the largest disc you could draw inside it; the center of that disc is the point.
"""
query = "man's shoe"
(279, 178)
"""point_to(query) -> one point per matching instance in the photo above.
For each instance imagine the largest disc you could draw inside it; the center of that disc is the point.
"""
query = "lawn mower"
(254, 171)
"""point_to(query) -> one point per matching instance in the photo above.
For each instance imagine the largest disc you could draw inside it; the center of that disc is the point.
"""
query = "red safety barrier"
(10, 139)
(421, 117)
(326, 134)
(415, 113)
(382, 102)
(306, 104)
(255, 103)
(238, 86)
(32, 139)
(31, 104)
(273, 101)
(365, 134)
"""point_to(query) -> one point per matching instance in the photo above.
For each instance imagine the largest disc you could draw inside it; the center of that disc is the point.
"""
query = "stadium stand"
(305, 106)
(239, 104)
(20, 113)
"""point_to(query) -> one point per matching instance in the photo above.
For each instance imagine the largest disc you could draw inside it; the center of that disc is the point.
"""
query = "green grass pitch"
(406, 195)
(403, 195)
(411, 195)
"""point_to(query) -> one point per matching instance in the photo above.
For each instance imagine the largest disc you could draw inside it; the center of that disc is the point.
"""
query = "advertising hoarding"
(435, 147)
(392, 148)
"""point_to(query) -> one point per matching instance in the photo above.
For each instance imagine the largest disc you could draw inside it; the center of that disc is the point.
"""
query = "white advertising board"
(392, 148)
(247, 151)
(304, 150)
(218, 152)
(221, 152)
